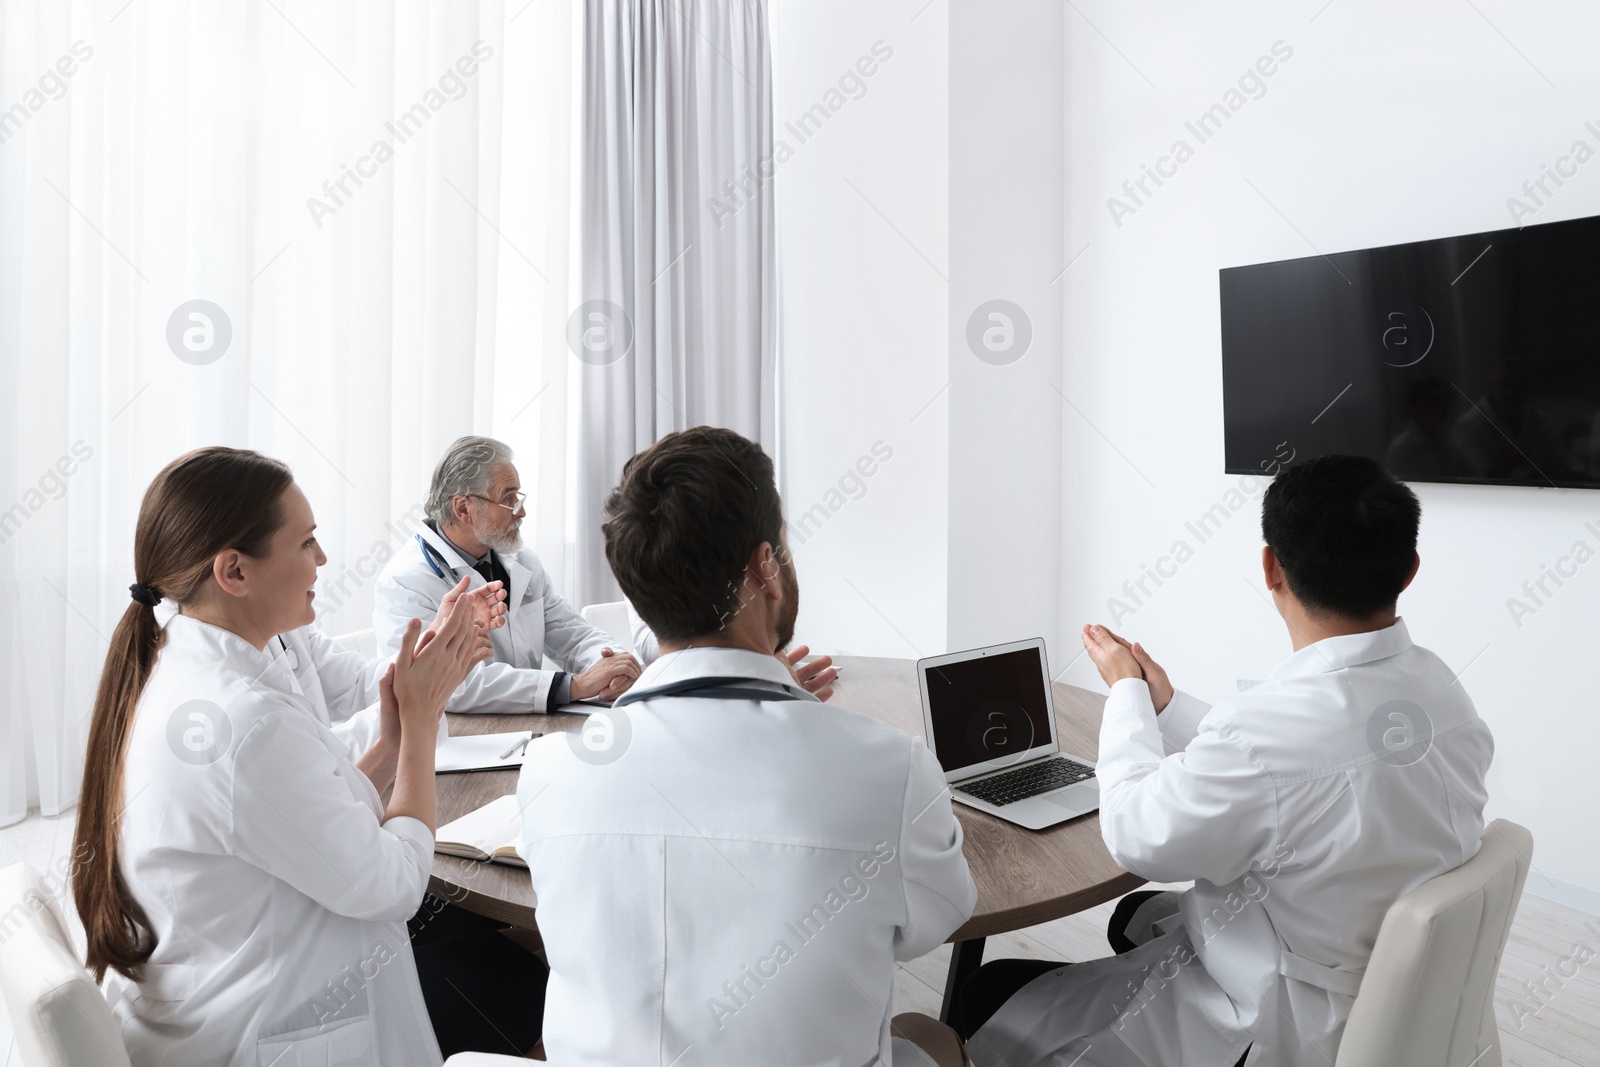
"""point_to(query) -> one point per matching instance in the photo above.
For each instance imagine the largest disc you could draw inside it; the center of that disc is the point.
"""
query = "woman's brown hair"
(201, 504)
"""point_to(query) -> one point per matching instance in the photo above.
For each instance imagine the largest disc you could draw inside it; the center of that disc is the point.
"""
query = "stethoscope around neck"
(436, 561)
(732, 687)
(438, 565)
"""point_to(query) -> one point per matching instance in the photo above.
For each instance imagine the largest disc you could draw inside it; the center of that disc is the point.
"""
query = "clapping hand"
(816, 677)
(488, 603)
(429, 667)
(1117, 660)
(488, 607)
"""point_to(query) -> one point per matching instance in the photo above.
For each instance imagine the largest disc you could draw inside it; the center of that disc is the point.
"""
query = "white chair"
(1427, 999)
(613, 619)
(57, 1012)
(362, 641)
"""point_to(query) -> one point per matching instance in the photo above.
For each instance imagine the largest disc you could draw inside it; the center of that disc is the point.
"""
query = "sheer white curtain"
(372, 201)
(676, 320)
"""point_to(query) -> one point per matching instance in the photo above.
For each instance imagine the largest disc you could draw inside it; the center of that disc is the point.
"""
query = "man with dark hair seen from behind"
(1301, 808)
(723, 863)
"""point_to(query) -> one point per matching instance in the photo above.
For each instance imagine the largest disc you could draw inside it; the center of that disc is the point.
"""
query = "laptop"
(989, 720)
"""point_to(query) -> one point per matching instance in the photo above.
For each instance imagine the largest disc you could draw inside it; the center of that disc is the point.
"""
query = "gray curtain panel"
(673, 320)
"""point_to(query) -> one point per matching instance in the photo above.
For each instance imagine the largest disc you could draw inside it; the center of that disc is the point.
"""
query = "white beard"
(504, 543)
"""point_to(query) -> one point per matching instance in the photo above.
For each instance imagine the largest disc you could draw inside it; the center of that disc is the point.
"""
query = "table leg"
(965, 957)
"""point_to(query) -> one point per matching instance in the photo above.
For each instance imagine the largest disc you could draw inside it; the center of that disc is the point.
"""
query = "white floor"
(1565, 1032)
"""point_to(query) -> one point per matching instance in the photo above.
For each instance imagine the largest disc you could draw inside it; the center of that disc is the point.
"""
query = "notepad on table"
(489, 833)
(479, 752)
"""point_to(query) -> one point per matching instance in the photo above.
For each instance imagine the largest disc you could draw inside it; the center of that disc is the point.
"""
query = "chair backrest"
(1427, 997)
(57, 1012)
(362, 641)
(613, 619)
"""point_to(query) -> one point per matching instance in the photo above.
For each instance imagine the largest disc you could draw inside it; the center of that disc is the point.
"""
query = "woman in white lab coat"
(247, 888)
(458, 954)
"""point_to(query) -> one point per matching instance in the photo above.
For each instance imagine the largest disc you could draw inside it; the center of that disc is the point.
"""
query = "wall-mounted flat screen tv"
(1465, 359)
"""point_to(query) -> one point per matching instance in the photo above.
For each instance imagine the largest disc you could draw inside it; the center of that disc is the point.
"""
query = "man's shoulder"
(1327, 719)
(853, 730)
(843, 745)
(856, 726)
(407, 559)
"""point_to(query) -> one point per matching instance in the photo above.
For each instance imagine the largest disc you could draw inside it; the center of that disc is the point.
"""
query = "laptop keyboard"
(1029, 781)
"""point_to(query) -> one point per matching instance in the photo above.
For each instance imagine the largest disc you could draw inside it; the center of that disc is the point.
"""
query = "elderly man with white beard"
(475, 512)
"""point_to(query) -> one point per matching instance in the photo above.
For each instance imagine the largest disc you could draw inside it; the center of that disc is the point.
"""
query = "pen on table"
(523, 745)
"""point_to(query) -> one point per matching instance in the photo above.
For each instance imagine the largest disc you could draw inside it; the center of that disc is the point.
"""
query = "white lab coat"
(1300, 826)
(539, 621)
(340, 685)
(276, 890)
(740, 879)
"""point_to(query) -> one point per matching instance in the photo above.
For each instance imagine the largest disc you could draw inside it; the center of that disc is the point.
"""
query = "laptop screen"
(987, 708)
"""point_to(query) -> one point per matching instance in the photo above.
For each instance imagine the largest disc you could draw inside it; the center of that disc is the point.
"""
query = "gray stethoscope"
(715, 688)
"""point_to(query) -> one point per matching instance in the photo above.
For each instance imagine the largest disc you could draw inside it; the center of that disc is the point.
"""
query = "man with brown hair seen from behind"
(722, 862)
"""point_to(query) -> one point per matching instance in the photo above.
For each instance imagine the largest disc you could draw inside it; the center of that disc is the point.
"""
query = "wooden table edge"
(1014, 919)
(484, 904)
(991, 925)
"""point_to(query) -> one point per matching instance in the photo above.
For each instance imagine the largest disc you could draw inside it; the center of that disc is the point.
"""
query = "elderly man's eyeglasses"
(513, 507)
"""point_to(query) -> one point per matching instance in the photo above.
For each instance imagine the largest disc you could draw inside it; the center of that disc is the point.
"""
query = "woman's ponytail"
(118, 932)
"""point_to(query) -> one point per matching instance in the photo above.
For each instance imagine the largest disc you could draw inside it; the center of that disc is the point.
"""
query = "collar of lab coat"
(690, 663)
(454, 558)
(192, 636)
(430, 524)
(1348, 650)
(458, 562)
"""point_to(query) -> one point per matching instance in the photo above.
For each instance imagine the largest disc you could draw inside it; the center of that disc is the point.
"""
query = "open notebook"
(489, 833)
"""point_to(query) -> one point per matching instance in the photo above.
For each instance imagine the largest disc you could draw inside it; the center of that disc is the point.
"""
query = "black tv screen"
(1464, 359)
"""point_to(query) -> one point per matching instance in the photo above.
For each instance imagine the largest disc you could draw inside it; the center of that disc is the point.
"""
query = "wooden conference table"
(1024, 877)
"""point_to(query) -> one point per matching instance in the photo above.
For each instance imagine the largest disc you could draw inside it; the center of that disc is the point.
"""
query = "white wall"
(864, 251)
(1006, 159)
(1385, 125)
(926, 194)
